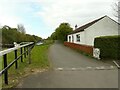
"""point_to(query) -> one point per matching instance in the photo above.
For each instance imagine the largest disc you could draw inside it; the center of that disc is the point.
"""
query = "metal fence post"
(21, 55)
(6, 72)
(16, 64)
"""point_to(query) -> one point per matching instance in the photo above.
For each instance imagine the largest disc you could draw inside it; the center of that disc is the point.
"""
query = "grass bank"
(39, 63)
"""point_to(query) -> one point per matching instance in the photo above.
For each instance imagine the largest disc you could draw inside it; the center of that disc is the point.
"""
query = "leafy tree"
(5, 27)
(10, 35)
(37, 38)
(53, 36)
(0, 36)
(62, 31)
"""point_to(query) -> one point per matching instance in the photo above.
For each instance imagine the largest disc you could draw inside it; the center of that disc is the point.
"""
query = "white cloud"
(73, 11)
(54, 12)
(9, 20)
(7, 16)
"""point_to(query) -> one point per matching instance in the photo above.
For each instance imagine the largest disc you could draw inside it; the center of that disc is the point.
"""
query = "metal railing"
(27, 51)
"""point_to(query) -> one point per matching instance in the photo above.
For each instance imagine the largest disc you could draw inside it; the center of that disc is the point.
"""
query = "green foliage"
(40, 56)
(109, 46)
(10, 35)
(54, 36)
(48, 42)
(40, 62)
(61, 32)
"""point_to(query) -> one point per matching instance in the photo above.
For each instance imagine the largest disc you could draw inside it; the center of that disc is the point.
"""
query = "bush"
(109, 46)
(47, 42)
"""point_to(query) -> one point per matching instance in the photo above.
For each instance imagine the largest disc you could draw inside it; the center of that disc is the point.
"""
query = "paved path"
(62, 56)
(73, 70)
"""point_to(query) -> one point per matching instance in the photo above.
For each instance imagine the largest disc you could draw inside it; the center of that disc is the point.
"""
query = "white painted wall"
(74, 39)
(104, 27)
(68, 38)
(82, 38)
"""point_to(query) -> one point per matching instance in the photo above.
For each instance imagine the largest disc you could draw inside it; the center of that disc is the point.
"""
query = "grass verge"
(40, 63)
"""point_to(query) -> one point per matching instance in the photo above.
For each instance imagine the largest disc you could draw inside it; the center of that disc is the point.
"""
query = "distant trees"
(0, 35)
(61, 32)
(10, 35)
(53, 36)
(21, 28)
(5, 27)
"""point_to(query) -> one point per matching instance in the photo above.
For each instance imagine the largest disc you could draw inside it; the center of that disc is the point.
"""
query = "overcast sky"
(41, 17)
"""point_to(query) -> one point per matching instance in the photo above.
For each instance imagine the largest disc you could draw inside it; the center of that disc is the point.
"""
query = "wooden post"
(16, 64)
(21, 54)
(6, 72)
(24, 52)
(27, 49)
(29, 54)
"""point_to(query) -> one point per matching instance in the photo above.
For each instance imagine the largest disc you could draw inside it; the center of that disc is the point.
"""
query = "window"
(78, 38)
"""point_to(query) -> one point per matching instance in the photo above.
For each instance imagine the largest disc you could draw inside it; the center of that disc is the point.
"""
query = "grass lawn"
(39, 63)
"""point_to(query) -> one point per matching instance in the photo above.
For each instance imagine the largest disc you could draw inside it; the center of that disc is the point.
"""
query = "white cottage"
(85, 35)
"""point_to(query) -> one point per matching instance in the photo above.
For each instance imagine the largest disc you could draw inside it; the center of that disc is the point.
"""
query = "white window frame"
(78, 38)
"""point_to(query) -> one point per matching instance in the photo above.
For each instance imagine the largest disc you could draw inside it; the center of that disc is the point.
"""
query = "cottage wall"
(68, 39)
(104, 27)
(82, 38)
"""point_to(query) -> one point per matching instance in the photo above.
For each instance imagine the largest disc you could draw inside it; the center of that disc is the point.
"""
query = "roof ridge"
(94, 21)
(81, 28)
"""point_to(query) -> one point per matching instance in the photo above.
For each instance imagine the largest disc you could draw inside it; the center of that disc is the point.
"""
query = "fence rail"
(6, 45)
(27, 51)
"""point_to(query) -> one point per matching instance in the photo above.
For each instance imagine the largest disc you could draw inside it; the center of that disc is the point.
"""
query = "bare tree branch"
(116, 9)
(21, 28)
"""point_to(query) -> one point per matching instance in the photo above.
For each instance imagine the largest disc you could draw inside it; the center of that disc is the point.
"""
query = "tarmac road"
(73, 70)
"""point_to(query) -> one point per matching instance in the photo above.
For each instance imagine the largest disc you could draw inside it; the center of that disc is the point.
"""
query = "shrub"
(109, 46)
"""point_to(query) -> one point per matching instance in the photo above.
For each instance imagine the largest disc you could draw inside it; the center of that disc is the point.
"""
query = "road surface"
(73, 70)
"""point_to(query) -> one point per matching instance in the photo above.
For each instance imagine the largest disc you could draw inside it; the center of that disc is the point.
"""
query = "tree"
(0, 26)
(10, 35)
(53, 36)
(36, 38)
(0, 36)
(5, 27)
(116, 8)
(21, 28)
(62, 31)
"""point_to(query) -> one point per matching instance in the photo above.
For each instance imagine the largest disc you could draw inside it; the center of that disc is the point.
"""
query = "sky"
(42, 17)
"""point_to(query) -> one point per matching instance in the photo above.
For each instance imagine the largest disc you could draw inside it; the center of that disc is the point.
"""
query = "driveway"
(73, 70)
(65, 57)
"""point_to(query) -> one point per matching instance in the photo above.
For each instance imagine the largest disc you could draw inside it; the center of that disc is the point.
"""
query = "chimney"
(75, 26)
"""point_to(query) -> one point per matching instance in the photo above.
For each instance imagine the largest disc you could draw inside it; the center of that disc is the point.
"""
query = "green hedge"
(109, 46)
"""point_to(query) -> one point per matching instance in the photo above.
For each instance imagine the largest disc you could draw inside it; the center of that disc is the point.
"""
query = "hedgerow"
(109, 46)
